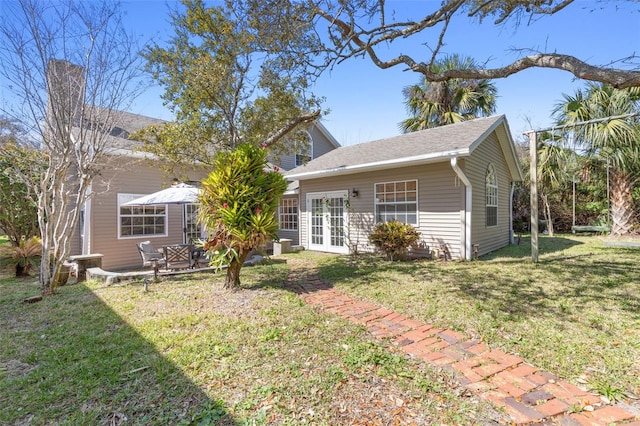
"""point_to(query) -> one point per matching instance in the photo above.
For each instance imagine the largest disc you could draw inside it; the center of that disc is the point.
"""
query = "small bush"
(24, 256)
(394, 238)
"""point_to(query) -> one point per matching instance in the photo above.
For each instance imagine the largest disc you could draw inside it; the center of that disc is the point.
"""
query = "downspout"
(466, 240)
(513, 187)
(86, 237)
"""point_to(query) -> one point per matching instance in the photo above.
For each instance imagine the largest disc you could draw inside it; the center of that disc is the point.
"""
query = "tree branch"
(349, 39)
(617, 78)
(283, 131)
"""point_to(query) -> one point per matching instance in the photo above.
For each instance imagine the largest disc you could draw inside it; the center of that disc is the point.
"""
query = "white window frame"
(146, 212)
(392, 195)
(288, 214)
(491, 197)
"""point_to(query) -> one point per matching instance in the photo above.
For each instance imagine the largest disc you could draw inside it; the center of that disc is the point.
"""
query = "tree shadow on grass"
(270, 273)
(70, 359)
(522, 251)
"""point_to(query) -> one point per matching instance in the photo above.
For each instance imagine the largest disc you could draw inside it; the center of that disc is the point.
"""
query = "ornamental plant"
(239, 202)
(27, 255)
(394, 238)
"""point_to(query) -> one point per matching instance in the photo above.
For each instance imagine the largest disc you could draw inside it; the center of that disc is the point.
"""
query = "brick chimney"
(65, 90)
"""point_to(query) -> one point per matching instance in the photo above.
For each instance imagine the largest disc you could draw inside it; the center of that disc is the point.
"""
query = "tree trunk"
(233, 271)
(547, 214)
(21, 271)
(621, 203)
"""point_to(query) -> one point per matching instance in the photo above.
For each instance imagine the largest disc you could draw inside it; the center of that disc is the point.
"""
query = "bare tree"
(364, 28)
(68, 68)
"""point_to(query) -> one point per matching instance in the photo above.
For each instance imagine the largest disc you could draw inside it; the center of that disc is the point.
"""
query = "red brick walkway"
(527, 394)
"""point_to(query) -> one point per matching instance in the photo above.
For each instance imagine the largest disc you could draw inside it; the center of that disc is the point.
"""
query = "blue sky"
(366, 102)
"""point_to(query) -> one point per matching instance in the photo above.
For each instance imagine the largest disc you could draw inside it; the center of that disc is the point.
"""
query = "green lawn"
(575, 314)
(189, 352)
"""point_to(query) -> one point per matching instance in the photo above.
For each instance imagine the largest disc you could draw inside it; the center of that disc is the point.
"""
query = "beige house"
(110, 229)
(322, 143)
(453, 183)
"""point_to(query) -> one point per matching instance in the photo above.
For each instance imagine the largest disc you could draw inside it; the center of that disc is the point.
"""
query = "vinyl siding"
(76, 243)
(294, 236)
(320, 147)
(287, 162)
(492, 237)
(121, 253)
(320, 143)
(439, 203)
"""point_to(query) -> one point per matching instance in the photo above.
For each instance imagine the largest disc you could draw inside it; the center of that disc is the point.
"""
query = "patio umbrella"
(180, 193)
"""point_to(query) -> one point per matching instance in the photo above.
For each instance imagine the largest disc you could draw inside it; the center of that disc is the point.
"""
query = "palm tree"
(616, 141)
(433, 104)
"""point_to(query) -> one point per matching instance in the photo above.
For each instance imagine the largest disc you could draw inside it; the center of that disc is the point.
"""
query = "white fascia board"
(380, 165)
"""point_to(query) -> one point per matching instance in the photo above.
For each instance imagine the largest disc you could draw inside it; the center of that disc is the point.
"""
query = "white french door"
(327, 221)
(191, 227)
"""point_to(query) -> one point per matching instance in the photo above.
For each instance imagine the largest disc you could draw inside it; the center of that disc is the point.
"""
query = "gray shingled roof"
(437, 144)
(125, 124)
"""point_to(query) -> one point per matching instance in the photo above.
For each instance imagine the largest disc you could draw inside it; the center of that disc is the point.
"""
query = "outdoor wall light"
(354, 193)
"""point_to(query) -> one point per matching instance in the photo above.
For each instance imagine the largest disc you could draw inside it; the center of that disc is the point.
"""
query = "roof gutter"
(466, 238)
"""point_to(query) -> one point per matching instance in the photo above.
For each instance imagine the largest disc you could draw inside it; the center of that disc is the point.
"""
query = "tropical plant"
(558, 166)
(433, 104)
(24, 256)
(606, 131)
(239, 203)
(393, 238)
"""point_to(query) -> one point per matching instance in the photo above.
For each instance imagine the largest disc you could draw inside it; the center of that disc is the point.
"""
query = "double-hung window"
(491, 197)
(397, 201)
(140, 221)
(288, 214)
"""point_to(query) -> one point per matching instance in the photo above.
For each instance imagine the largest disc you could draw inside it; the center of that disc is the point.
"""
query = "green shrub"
(394, 238)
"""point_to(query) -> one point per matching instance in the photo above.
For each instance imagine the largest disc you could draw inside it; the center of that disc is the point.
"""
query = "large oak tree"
(229, 79)
(365, 28)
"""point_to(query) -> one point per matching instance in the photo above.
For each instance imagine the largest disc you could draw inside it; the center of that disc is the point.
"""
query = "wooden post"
(533, 173)
(573, 207)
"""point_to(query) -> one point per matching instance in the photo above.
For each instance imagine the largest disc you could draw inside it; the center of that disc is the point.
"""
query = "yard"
(189, 352)
(576, 313)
